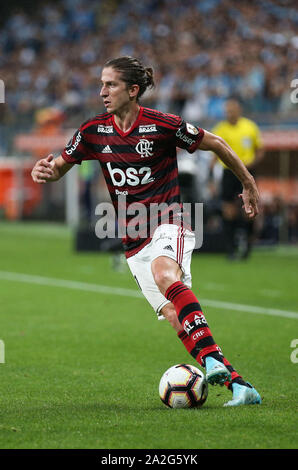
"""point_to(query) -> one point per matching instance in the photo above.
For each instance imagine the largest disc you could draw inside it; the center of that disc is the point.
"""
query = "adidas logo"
(168, 247)
(107, 149)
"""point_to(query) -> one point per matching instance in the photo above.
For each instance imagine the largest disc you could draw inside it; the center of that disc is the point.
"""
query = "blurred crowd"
(202, 51)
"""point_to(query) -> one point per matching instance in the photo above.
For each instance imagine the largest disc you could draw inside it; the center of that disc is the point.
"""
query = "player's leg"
(170, 314)
(169, 268)
(166, 273)
(195, 333)
(140, 266)
(169, 273)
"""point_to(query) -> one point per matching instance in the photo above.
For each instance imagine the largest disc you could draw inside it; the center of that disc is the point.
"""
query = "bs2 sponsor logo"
(130, 176)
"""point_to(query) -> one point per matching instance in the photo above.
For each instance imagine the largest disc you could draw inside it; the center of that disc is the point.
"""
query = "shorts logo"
(147, 128)
(105, 129)
(168, 247)
(144, 148)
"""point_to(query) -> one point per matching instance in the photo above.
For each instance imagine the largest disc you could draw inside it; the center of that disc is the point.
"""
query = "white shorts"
(168, 240)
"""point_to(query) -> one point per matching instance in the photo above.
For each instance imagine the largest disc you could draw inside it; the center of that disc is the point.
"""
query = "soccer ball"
(183, 386)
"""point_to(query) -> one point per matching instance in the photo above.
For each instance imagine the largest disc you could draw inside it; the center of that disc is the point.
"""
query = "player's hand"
(250, 198)
(45, 170)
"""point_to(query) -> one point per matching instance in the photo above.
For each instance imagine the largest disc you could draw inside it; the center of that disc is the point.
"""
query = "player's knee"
(164, 278)
(165, 273)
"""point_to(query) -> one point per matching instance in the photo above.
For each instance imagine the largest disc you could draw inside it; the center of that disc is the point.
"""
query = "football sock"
(194, 350)
(191, 318)
(196, 335)
(188, 344)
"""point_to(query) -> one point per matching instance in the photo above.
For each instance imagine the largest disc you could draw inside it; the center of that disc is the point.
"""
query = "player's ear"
(133, 91)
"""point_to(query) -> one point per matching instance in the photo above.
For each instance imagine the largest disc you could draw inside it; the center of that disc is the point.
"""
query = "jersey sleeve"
(188, 136)
(77, 148)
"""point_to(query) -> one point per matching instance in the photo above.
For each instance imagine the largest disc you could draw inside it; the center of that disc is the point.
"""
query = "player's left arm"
(219, 146)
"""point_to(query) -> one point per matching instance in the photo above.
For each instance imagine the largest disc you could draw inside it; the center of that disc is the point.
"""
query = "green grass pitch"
(82, 365)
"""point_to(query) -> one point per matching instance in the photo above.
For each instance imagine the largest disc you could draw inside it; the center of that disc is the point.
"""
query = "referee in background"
(243, 136)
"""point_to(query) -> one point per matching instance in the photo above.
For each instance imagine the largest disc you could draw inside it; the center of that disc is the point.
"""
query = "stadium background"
(216, 50)
(69, 319)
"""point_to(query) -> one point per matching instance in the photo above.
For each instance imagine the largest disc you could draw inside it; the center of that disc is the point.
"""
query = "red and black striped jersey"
(139, 166)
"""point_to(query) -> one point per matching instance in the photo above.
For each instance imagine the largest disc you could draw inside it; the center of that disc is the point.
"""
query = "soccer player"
(136, 148)
(243, 136)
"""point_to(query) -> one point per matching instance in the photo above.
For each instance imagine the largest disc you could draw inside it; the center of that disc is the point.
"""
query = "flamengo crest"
(144, 148)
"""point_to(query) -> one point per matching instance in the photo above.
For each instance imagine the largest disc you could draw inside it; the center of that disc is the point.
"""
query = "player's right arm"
(219, 146)
(50, 169)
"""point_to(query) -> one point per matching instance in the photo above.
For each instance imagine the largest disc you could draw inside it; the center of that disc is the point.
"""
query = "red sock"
(196, 336)
(234, 373)
(192, 319)
(189, 345)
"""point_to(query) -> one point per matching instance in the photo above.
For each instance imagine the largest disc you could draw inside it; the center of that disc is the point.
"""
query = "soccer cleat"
(216, 372)
(243, 395)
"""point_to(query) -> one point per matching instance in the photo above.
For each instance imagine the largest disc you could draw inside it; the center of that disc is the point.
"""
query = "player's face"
(114, 91)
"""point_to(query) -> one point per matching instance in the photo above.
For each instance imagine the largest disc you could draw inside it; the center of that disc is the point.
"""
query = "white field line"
(84, 286)
(54, 282)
